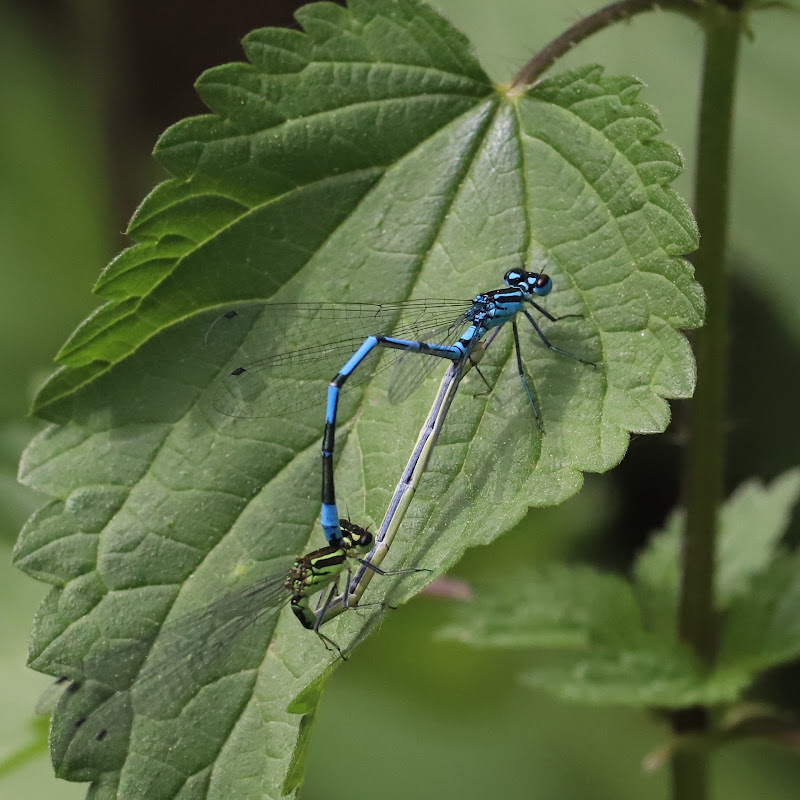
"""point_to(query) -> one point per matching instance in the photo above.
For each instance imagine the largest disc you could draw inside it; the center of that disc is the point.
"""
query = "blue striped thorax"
(494, 308)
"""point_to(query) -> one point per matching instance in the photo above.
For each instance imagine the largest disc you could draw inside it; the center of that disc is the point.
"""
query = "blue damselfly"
(269, 382)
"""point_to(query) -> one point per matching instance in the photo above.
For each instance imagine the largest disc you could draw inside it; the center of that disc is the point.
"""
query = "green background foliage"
(611, 642)
(402, 670)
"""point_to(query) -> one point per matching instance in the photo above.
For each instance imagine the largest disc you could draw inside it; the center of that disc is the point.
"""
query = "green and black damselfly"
(165, 675)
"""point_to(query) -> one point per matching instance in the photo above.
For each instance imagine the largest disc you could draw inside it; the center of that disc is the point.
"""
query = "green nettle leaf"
(751, 524)
(599, 650)
(367, 158)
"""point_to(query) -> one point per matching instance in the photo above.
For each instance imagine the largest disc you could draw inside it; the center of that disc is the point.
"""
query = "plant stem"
(689, 766)
(704, 482)
(689, 770)
(585, 27)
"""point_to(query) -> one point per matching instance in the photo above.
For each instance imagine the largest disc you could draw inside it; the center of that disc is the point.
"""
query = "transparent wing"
(287, 353)
(206, 645)
(411, 368)
(157, 676)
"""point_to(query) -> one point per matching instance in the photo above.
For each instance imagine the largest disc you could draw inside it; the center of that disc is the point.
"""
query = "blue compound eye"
(542, 285)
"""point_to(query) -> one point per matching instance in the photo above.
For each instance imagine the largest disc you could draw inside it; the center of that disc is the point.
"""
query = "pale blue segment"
(330, 408)
(329, 517)
(359, 355)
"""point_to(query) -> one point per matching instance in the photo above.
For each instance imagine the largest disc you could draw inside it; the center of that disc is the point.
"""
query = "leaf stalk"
(593, 23)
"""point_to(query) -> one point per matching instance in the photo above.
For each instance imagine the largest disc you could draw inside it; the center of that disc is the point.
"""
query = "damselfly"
(161, 675)
(276, 381)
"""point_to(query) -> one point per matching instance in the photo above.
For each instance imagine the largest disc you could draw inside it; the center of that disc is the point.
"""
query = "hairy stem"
(584, 28)
(705, 463)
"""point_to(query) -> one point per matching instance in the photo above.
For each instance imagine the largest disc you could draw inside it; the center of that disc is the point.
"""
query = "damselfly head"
(528, 282)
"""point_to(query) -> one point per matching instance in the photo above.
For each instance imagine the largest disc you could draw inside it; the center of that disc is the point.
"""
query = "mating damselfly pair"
(341, 342)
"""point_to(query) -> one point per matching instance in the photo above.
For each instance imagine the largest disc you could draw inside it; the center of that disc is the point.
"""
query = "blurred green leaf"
(752, 522)
(656, 575)
(305, 703)
(558, 607)
(665, 676)
(602, 653)
(616, 646)
(368, 158)
(762, 628)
